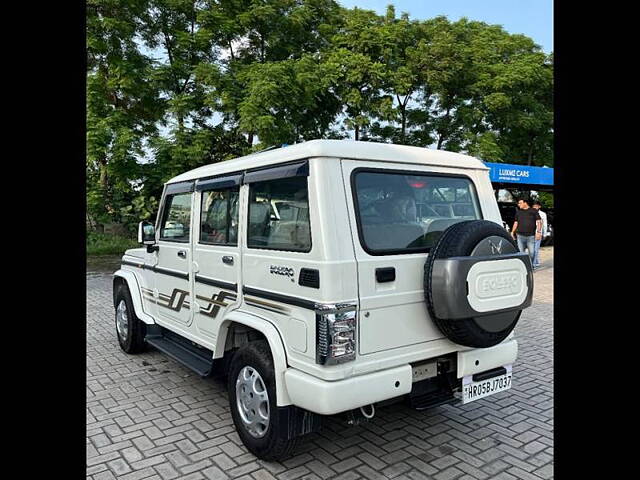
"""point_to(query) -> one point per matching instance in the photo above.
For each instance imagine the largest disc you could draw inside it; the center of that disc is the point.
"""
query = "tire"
(461, 240)
(131, 339)
(272, 443)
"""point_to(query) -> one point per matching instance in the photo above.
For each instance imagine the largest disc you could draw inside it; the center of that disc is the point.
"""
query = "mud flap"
(295, 421)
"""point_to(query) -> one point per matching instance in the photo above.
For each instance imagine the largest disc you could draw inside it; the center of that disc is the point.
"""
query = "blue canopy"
(523, 174)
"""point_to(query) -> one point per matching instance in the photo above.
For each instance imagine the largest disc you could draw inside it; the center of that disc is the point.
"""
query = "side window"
(176, 218)
(219, 217)
(279, 215)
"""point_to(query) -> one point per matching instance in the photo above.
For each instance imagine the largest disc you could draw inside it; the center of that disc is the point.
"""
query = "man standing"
(528, 228)
(543, 217)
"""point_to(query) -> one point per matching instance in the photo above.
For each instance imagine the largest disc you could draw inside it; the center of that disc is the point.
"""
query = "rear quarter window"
(279, 215)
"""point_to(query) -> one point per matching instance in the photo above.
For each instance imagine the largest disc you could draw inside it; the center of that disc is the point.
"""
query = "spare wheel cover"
(475, 238)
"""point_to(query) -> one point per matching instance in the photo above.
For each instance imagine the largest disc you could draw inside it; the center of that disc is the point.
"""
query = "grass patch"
(106, 244)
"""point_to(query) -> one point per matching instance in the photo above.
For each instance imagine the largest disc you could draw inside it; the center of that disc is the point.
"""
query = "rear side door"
(172, 270)
(398, 213)
(280, 271)
(216, 255)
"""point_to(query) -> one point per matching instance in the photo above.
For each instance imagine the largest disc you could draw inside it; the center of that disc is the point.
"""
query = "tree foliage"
(176, 84)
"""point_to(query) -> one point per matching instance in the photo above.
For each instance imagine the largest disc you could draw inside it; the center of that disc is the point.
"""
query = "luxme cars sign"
(508, 173)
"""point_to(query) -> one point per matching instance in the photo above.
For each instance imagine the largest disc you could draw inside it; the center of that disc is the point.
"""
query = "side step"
(198, 359)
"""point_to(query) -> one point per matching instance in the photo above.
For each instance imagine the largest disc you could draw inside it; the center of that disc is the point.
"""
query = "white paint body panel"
(207, 263)
(497, 284)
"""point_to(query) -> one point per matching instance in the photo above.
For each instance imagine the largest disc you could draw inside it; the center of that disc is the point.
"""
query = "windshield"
(402, 213)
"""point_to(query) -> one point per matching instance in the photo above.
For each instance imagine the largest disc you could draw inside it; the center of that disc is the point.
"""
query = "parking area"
(149, 417)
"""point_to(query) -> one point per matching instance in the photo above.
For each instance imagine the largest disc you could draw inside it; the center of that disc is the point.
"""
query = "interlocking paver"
(150, 418)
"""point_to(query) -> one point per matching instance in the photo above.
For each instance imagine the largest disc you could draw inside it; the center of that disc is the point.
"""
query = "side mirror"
(146, 233)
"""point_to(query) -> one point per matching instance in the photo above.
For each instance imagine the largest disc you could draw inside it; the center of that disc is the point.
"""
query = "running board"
(198, 359)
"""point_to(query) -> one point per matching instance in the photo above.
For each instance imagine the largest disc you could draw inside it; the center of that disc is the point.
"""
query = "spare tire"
(475, 238)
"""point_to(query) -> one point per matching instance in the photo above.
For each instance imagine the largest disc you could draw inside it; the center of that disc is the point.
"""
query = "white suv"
(325, 277)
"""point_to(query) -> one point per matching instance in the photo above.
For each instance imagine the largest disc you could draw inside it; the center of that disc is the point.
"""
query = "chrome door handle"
(228, 259)
(182, 254)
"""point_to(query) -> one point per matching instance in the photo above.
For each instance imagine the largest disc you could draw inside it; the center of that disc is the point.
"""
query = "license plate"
(475, 390)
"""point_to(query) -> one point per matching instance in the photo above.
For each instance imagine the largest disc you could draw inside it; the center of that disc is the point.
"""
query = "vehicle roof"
(351, 149)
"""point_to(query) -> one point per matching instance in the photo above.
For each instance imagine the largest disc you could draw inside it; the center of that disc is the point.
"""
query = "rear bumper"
(504, 353)
(328, 398)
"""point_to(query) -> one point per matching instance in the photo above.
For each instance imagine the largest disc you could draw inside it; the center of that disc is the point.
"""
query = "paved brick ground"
(149, 417)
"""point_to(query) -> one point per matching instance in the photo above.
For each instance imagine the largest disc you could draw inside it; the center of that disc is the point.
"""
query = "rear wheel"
(252, 399)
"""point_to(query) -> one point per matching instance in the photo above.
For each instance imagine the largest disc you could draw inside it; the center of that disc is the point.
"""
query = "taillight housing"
(336, 331)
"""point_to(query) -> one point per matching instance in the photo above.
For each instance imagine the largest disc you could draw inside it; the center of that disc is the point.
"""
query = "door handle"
(182, 253)
(228, 259)
(385, 274)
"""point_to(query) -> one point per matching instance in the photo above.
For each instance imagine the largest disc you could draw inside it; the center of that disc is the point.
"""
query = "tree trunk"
(404, 122)
(357, 128)
(442, 132)
(530, 156)
(104, 184)
(104, 178)
(231, 50)
(403, 113)
(250, 138)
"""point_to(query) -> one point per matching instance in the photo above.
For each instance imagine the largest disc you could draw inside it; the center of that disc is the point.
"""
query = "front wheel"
(129, 328)
(252, 399)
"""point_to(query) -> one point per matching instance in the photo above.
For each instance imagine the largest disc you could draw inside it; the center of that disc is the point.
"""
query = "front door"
(172, 270)
(400, 212)
(216, 255)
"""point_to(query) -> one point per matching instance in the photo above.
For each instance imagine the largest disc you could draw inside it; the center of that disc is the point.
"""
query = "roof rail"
(271, 148)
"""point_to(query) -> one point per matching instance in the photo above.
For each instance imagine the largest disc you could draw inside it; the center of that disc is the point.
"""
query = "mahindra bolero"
(327, 277)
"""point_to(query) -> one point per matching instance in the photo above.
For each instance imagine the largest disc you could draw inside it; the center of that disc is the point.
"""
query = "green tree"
(288, 101)
(122, 105)
(518, 105)
(184, 35)
(257, 34)
(175, 84)
(355, 64)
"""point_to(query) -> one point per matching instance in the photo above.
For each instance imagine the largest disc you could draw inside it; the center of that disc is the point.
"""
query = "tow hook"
(370, 415)
(360, 415)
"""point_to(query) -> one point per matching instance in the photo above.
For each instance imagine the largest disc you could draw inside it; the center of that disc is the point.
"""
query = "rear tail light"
(335, 333)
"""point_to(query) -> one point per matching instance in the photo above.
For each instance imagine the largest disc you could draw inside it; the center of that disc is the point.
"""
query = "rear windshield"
(403, 213)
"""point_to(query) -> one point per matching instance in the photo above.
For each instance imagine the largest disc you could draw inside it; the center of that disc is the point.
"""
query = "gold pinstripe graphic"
(214, 303)
(178, 300)
(268, 305)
